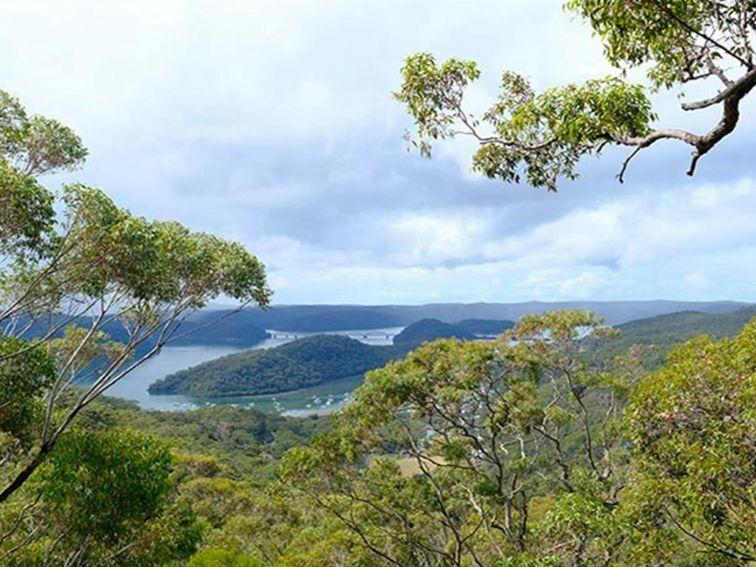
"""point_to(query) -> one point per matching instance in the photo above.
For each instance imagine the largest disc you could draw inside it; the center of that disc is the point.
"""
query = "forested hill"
(313, 318)
(321, 358)
(326, 318)
(301, 363)
(665, 331)
(228, 331)
(209, 328)
(427, 330)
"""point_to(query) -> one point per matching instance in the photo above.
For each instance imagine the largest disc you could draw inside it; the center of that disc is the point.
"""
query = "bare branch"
(621, 174)
(740, 88)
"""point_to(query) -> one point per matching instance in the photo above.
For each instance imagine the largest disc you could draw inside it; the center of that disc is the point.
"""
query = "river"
(321, 399)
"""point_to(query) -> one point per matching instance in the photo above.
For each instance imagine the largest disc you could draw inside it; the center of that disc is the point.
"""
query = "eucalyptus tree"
(102, 498)
(540, 137)
(693, 429)
(534, 450)
(88, 291)
(480, 453)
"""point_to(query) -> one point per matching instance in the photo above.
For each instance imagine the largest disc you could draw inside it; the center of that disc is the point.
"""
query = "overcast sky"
(272, 123)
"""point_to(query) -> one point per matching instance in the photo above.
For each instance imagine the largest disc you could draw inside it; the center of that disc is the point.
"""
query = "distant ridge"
(325, 318)
(322, 358)
(428, 330)
(666, 331)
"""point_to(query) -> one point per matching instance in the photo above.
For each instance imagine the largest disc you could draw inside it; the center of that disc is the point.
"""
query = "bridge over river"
(383, 336)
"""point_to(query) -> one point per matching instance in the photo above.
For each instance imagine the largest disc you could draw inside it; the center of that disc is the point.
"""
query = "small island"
(306, 362)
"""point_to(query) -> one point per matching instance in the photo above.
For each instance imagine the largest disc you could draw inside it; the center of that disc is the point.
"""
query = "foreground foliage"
(130, 487)
(528, 450)
(693, 427)
(74, 268)
(519, 454)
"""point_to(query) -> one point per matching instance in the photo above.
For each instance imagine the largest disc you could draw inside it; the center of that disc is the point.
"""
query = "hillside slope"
(298, 364)
(321, 358)
(485, 327)
(428, 330)
(211, 328)
(665, 331)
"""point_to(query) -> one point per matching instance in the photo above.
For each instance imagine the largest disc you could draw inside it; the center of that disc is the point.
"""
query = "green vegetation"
(324, 358)
(339, 320)
(311, 318)
(525, 450)
(213, 330)
(427, 330)
(130, 487)
(484, 327)
(226, 325)
(245, 441)
(540, 137)
(692, 426)
(206, 328)
(666, 331)
(540, 448)
(76, 266)
(103, 486)
(528, 453)
(298, 364)
(100, 497)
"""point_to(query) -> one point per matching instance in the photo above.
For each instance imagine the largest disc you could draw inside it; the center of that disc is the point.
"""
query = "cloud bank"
(272, 123)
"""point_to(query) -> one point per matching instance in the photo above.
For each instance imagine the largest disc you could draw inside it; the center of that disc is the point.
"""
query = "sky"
(272, 123)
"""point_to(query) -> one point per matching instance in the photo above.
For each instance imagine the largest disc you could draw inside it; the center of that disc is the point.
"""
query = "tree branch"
(740, 88)
(685, 25)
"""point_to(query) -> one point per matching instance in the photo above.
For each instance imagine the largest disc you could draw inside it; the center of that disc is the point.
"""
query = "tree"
(693, 428)
(541, 137)
(23, 380)
(222, 558)
(101, 485)
(101, 498)
(93, 287)
(529, 450)
(480, 453)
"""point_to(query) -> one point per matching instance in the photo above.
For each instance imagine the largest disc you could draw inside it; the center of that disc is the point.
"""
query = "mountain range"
(324, 318)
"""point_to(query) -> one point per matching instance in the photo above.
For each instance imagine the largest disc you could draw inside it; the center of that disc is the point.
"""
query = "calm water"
(318, 399)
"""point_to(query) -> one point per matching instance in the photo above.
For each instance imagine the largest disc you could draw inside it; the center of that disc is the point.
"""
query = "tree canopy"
(539, 137)
(530, 451)
(74, 266)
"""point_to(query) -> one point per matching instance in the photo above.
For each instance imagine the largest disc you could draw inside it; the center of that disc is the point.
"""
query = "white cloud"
(272, 123)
